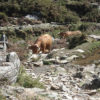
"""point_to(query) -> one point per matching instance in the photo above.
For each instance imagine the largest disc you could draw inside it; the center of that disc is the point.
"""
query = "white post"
(4, 48)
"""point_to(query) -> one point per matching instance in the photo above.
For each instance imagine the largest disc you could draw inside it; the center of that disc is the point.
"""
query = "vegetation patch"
(76, 40)
(93, 16)
(93, 46)
(89, 28)
(3, 16)
(91, 53)
(2, 97)
(31, 33)
(27, 81)
(47, 62)
(62, 11)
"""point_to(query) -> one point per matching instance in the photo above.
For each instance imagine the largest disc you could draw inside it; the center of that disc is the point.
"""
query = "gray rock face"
(13, 57)
(95, 37)
(9, 70)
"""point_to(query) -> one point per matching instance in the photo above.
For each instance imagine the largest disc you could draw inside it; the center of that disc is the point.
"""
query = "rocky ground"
(62, 78)
(64, 75)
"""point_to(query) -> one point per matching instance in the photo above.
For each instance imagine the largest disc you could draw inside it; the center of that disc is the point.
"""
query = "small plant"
(93, 16)
(3, 16)
(73, 27)
(2, 97)
(27, 81)
(21, 34)
(47, 62)
(71, 17)
(84, 26)
(93, 46)
(76, 40)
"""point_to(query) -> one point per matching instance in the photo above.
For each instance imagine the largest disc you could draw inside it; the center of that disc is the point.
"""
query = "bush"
(90, 28)
(2, 97)
(93, 46)
(10, 9)
(71, 17)
(93, 16)
(73, 27)
(3, 16)
(51, 10)
(76, 40)
(57, 14)
(21, 34)
(10, 33)
(80, 8)
(84, 26)
(27, 81)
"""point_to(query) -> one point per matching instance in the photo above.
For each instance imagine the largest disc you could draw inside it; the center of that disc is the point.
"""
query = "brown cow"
(69, 33)
(43, 43)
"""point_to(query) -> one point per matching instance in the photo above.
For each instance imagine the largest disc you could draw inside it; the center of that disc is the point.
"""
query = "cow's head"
(35, 48)
(61, 34)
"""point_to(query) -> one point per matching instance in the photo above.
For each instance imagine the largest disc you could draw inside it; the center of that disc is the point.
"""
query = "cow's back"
(73, 33)
(46, 39)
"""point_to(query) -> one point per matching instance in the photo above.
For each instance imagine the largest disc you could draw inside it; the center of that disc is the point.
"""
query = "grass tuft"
(27, 81)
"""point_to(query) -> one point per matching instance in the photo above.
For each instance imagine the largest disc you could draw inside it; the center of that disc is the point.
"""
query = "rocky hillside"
(71, 71)
(70, 11)
(56, 76)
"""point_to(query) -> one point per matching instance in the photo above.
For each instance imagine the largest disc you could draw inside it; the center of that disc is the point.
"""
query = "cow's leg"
(44, 48)
(46, 51)
(48, 47)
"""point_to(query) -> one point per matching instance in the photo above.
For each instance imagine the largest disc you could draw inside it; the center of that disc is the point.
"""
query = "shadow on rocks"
(94, 84)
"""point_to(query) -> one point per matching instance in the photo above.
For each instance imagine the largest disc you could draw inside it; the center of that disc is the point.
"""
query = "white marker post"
(4, 41)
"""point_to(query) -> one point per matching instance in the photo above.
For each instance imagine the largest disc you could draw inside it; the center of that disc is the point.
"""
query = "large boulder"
(9, 69)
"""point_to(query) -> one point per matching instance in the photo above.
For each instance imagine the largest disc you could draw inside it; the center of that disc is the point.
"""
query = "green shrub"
(80, 7)
(13, 9)
(21, 34)
(2, 97)
(76, 40)
(3, 16)
(84, 26)
(10, 9)
(52, 11)
(62, 15)
(73, 27)
(27, 81)
(93, 46)
(27, 6)
(29, 31)
(90, 28)
(93, 16)
(47, 62)
(10, 33)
